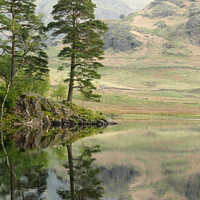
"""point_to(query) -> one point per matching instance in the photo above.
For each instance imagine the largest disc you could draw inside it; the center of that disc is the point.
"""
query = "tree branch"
(1, 117)
(4, 29)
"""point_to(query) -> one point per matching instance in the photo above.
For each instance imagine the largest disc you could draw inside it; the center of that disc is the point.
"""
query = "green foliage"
(5, 68)
(84, 113)
(23, 36)
(60, 91)
(75, 20)
(122, 16)
(10, 102)
(25, 84)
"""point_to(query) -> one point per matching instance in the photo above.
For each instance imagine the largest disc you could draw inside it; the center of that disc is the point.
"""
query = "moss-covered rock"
(161, 9)
(120, 38)
(193, 29)
(37, 110)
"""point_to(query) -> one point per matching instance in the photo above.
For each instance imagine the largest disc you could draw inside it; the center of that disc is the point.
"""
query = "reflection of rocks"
(38, 111)
(29, 138)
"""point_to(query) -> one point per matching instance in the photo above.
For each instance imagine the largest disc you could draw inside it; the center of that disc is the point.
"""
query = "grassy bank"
(144, 82)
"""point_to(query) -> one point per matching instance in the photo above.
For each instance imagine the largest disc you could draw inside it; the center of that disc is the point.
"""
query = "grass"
(150, 89)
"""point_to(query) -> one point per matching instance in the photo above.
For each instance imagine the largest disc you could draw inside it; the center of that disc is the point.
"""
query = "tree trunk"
(13, 40)
(71, 81)
(71, 170)
(12, 188)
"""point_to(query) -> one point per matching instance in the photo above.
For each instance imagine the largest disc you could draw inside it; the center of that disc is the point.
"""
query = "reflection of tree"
(26, 172)
(84, 182)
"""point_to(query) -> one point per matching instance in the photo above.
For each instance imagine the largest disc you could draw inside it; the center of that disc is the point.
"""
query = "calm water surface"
(136, 160)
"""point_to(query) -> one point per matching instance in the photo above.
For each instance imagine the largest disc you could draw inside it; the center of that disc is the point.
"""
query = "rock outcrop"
(119, 38)
(36, 110)
(193, 29)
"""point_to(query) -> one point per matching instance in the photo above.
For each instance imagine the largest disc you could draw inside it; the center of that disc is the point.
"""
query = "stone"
(193, 22)
(37, 105)
(39, 111)
(46, 105)
(57, 123)
(119, 38)
(46, 120)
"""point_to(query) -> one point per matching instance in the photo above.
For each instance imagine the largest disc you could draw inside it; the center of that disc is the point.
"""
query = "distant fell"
(168, 26)
(106, 9)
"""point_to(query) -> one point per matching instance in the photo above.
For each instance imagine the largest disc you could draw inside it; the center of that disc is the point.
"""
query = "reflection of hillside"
(117, 180)
(192, 191)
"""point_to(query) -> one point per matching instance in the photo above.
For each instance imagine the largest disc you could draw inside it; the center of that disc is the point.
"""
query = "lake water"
(136, 160)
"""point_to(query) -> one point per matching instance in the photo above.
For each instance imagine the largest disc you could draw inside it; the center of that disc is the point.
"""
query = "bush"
(60, 92)
(10, 102)
(25, 83)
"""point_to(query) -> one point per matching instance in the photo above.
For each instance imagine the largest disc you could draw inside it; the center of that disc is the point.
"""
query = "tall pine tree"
(22, 35)
(75, 20)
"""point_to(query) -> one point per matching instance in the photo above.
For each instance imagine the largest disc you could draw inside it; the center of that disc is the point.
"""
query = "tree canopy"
(22, 35)
(75, 21)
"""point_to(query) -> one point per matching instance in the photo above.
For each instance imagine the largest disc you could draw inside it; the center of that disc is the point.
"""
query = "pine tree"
(75, 20)
(22, 34)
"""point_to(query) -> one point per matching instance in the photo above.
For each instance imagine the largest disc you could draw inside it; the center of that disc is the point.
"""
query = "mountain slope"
(170, 25)
(154, 67)
(161, 73)
(106, 9)
(137, 5)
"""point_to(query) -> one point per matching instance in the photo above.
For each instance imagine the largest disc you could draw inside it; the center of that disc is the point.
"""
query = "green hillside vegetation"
(158, 76)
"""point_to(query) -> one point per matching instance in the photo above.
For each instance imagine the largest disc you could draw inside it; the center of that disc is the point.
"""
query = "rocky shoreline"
(32, 109)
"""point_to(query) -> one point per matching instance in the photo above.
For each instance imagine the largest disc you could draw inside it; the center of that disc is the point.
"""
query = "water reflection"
(138, 160)
(28, 138)
(192, 190)
(26, 175)
(84, 182)
(165, 153)
(117, 179)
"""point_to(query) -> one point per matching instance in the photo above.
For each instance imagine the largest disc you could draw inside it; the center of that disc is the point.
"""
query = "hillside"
(170, 25)
(137, 5)
(154, 66)
(105, 9)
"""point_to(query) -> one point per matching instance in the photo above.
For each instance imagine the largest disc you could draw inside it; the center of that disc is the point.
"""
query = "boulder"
(37, 110)
(120, 38)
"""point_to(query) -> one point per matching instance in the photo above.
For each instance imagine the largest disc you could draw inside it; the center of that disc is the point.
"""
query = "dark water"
(144, 160)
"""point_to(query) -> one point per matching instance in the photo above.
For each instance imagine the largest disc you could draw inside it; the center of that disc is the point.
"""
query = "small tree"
(122, 16)
(60, 91)
(21, 43)
(82, 35)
